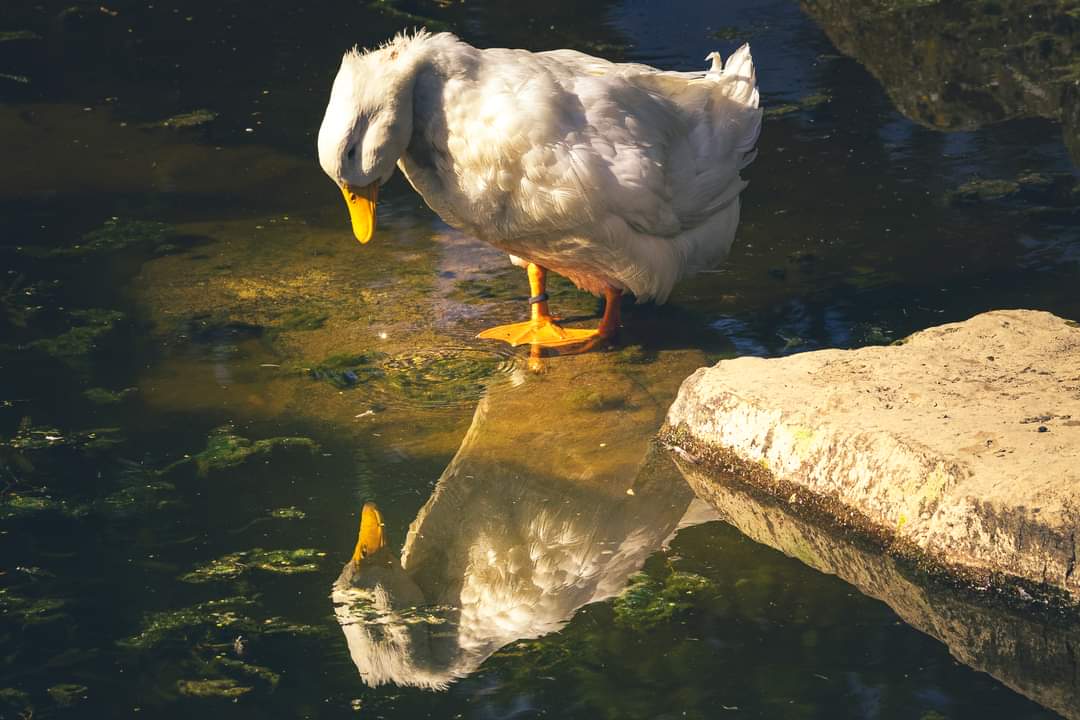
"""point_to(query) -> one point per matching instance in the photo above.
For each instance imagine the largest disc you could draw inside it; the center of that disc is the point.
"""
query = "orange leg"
(609, 325)
(541, 329)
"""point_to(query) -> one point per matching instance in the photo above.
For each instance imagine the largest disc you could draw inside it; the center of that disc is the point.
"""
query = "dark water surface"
(204, 377)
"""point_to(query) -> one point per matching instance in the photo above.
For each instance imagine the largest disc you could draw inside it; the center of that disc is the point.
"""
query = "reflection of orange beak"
(371, 536)
(361, 202)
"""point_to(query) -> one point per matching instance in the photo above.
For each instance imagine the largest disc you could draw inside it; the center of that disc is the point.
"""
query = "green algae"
(225, 449)
(27, 611)
(16, 702)
(67, 694)
(982, 190)
(390, 9)
(116, 234)
(18, 35)
(177, 625)
(348, 370)
(88, 327)
(595, 400)
(728, 33)
(212, 687)
(104, 396)
(233, 565)
(302, 320)
(288, 513)
(31, 438)
(15, 505)
(255, 672)
(138, 500)
(191, 119)
(211, 621)
(441, 376)
(648, 602)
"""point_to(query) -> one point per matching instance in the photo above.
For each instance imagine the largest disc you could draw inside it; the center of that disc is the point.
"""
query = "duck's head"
(382, 612)
(367, 127)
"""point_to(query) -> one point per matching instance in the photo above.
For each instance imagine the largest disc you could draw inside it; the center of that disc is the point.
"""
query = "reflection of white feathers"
(500, 553)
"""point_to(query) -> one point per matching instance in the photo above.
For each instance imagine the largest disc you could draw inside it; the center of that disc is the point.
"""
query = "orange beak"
(371, 536)
(361, 202)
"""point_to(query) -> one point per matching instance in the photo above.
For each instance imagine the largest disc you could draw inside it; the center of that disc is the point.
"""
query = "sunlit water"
(204, 378)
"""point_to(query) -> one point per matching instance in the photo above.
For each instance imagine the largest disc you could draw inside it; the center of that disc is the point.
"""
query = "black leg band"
(542, 297)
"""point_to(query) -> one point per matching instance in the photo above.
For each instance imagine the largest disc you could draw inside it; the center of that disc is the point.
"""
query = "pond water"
(205, 378)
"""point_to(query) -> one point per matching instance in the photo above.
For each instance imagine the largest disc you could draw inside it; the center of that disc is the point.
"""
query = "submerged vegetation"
(233, 565)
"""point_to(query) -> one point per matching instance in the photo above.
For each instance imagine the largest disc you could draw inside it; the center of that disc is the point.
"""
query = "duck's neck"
(438, 60)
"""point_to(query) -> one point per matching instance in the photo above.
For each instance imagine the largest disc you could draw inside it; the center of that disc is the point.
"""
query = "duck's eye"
(352, 152)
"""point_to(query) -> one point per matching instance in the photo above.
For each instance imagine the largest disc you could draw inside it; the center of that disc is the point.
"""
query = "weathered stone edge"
(729, 467)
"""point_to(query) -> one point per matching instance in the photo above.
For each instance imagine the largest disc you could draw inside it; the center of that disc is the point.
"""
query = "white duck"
(621, 177)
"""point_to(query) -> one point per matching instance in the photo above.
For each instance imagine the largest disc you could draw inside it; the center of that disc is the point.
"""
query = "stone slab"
(961, 442)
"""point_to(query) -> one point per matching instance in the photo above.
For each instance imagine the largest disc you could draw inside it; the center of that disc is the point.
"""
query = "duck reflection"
(552, 501)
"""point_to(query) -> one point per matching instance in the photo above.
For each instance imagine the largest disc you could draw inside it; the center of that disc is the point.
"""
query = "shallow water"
(205, 377)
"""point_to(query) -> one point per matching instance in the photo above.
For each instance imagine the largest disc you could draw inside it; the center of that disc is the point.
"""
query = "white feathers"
(614, 175)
